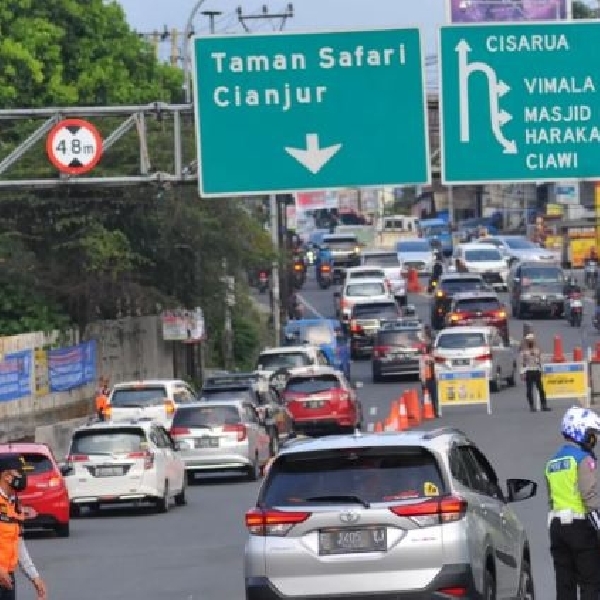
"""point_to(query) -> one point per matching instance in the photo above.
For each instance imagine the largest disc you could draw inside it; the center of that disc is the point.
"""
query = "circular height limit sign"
(74, 146)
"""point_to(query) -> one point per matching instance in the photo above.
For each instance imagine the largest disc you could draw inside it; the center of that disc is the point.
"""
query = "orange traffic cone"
(378, 427)
(413, 406)
(391, 422)
(428, 412)
(402, 421)
(578, 354)
(413, 281)
(558, 356)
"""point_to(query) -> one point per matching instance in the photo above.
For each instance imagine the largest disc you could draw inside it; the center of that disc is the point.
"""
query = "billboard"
(316, 200)
(482, 11)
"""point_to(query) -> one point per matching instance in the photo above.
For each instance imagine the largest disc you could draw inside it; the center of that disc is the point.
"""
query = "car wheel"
(489, 585)
(495, 383)
(526, 587)
(254, 470)
(63, 530)
(181, 499)
(163, 504)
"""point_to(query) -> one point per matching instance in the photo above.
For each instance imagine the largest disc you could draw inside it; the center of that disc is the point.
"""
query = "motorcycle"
(296, 310)
(591, 273)
(299, 276)
(575, 309)
(263, 282)
(324, 276)
(432, 285)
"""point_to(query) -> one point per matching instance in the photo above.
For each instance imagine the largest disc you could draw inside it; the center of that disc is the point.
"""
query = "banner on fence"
(40, 360)
(565, 380)
(15, 375)
(72, 367)
(463, 388)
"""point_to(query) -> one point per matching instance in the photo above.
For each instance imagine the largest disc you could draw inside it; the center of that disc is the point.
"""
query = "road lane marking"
(373, 411)
(311, 308)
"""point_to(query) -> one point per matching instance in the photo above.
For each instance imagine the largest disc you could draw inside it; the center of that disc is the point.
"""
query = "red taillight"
(499, 314)
(325, 268)
(78, 458)
(439, 359)
(483, 357)
(433, 512)
(146, 455)
(342, 396)
(239, 428)
(262, 275)
(273, 522)
(380, 351)
(355, 327)
(455, 317)
(175, 431)
(454, 592)
(298, 267)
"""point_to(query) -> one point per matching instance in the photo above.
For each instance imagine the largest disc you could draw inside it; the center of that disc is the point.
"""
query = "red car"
(321, 400)
(45, 500)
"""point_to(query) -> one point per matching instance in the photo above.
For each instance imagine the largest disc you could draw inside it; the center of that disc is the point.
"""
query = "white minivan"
(484, 259)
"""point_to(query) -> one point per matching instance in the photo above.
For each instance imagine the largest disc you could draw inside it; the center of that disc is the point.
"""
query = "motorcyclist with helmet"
(574, 507)
(437, 270)
(571, 287)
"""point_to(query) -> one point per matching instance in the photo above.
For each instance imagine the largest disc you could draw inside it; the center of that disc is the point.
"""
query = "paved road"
(195, 552)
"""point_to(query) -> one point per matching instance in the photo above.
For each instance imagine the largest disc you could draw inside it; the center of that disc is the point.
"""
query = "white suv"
(124, 462)
(155, 399)
(275, 363)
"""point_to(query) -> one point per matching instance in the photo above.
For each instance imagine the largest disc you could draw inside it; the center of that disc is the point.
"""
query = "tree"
(582, 11)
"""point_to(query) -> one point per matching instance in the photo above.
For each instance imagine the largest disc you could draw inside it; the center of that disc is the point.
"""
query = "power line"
(265, 15)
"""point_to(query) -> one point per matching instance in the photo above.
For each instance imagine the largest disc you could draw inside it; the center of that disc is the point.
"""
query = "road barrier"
(463, 388)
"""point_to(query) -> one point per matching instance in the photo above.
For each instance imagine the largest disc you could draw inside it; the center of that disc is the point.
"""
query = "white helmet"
(578, 423)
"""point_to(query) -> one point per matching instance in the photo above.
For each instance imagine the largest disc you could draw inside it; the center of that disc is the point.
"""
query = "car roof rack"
(435, 433)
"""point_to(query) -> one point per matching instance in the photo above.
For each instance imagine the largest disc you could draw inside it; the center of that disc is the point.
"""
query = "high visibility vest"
(10, 530)
(101, 402)
(426, 367)
(562, 474)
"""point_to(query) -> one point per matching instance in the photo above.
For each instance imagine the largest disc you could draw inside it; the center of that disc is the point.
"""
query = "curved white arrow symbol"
(314, 158)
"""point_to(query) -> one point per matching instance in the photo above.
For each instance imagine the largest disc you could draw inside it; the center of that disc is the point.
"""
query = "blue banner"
(15, 375)
(72, 367)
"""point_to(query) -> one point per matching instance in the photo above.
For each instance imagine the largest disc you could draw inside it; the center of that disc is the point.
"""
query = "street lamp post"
(211, 14)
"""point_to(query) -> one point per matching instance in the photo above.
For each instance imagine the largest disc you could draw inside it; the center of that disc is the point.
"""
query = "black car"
(365, 320)
(398, 349)
(278, 421)
(537, 288)
(450, 284)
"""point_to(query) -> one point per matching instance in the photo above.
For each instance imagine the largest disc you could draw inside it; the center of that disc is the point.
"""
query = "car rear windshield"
(108, 441)
(483, 255)
(406, 338)
(389, 310)
(36, 463)
(365, 289)
(463, 284)
(199, 417)
(285, 360)
(477, 305)
(312, 385)
(367, 475)
(372, 274)
(541, 275)
(139, 397)
(227, 394)
(389, 259)
(458, 341)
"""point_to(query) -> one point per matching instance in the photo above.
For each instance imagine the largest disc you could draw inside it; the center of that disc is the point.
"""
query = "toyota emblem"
(349, 516)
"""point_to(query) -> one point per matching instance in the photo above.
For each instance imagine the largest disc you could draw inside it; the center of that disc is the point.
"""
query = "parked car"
(418, 514)
(45, 499)
(226, 435)
(321, 400)
(450, 284)
(132, 461)
(535, 288)
(484, 259)
(479, 308)
(398, 348)
(365, 320)
(155, 399)
(473, 347)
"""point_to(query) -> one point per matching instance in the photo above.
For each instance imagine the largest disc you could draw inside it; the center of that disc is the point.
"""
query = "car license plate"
(399, 356)
(207, 442)
(479, 322)
(352, 541)
(575, 303)
(461, 362)
(109, 471)
(314, 404)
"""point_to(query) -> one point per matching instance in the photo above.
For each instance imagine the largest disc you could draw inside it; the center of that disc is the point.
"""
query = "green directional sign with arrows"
(520, 102)
(285, 112)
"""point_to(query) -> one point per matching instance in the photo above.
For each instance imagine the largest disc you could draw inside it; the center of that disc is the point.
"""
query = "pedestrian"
(428, 380)
(531, 372)
(101, 400)
(13, 550)
(574, 504)
(428, 339)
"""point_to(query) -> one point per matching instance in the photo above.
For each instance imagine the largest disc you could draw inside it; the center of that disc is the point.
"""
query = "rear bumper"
(409, 367)
(47, 521)
(451, 576)
(324, 425)
(223, 462)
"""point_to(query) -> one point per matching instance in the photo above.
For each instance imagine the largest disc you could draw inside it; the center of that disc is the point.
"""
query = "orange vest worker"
(10, 531)
(101, 401)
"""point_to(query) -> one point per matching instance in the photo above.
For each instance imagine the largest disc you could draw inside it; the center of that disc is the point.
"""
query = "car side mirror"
(65, 469)
(520, 489)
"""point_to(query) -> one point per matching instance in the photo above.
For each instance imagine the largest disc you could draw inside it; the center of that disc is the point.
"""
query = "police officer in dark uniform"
(574, 504)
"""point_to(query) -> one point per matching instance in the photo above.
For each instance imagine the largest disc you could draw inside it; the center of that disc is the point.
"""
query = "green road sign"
(520, 102)
(305, 111)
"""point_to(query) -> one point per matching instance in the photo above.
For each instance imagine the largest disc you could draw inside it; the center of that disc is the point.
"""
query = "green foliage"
(582, 11)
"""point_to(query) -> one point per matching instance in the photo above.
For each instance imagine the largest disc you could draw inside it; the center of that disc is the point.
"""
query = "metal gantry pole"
(189, 28)
(275, 268)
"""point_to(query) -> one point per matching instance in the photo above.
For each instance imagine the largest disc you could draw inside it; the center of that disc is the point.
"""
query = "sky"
(149, 15)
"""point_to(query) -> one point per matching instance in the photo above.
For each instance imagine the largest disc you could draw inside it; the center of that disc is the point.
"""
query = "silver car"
(222, 435)
(517, 248)
(389, 261)
(414, 515)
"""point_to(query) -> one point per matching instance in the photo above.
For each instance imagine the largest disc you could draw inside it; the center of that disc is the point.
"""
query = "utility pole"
(273, 209)
(228, 328)
(282, 17)
(211, 14)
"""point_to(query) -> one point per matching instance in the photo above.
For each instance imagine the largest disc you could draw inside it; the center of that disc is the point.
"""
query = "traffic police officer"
(13, 550)
(574, 503)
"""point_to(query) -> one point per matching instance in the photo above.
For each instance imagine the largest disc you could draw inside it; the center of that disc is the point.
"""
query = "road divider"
(406, 412)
